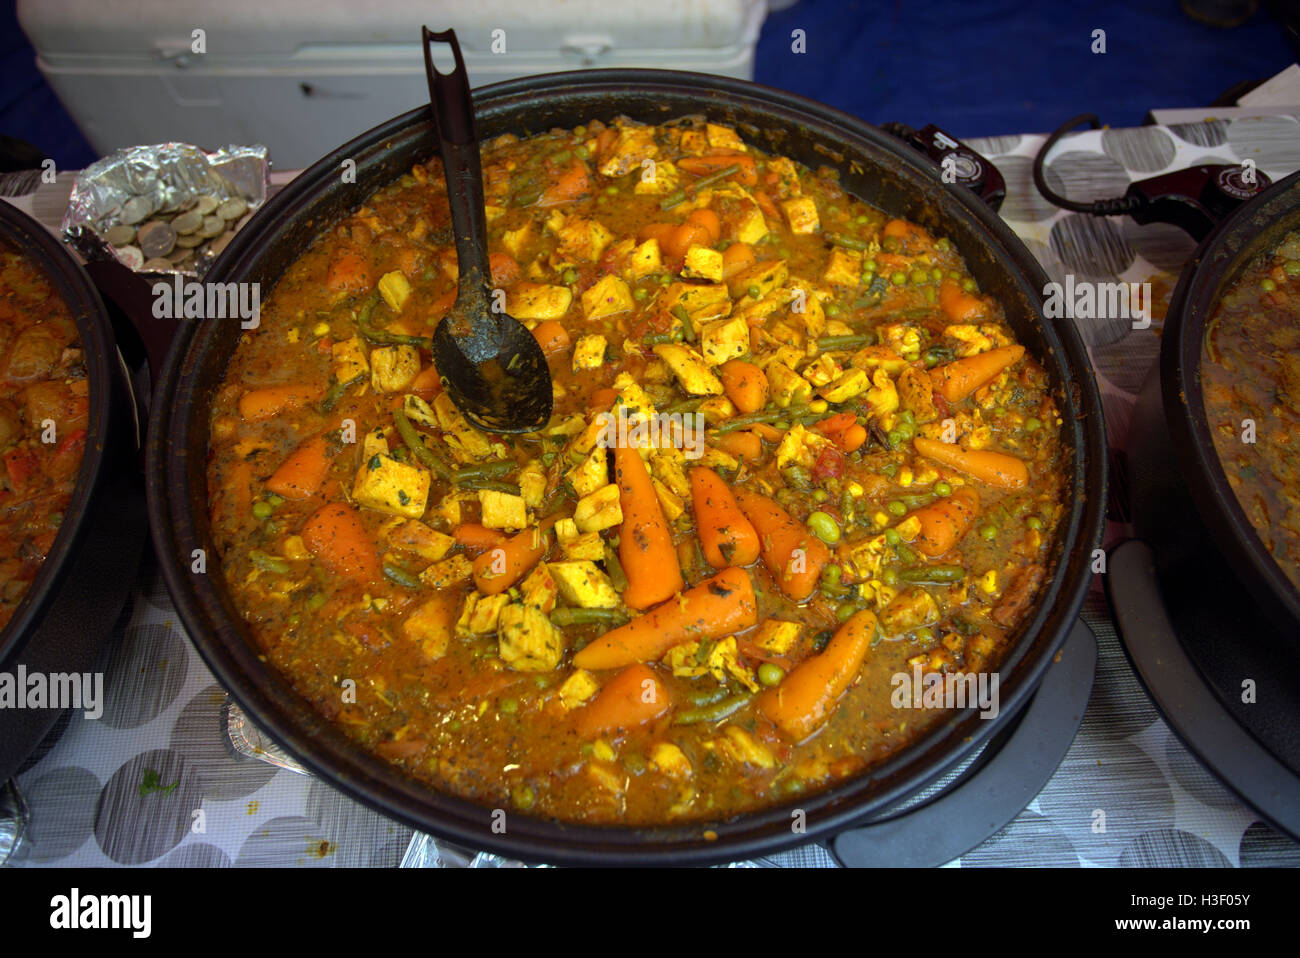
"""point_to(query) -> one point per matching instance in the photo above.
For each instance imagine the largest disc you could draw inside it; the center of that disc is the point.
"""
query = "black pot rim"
(1248, 232)
(87, 309)
(263, 693)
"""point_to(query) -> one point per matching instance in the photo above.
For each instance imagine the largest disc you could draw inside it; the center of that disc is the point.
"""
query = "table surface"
(1158, 806)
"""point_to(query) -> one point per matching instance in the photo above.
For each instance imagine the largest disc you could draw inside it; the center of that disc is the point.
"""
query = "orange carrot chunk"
(505, 564)
(744, 384)
(946, 522)
(269, 401)
(300, 475)
(552, 337)
(477, 538)
(717, 607)
(571, 184)
(726, 536)
(631, 698)
(806, 698)
(790, 551)
(991, 468)
(337, 537)
(961, 377)
(959, 305)
(645, 546)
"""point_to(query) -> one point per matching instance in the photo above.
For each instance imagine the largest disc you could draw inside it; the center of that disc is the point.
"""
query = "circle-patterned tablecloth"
(155, 781)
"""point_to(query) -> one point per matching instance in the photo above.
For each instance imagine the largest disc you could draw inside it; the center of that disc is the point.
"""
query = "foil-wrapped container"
(169, 208)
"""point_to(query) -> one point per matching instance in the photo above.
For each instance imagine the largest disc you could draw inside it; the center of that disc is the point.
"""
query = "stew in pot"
(796, 455)
(1251, 381)
(44, 411)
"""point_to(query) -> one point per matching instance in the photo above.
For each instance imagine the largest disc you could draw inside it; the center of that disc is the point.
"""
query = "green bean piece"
(701, 697)
(488, 470)
(614, 569)
(767, 415)
(383, 336)
(488, 485)
(269, 563)
(413, 442)
(688, 328)
(610, 617)
(684, 405)
(848, 242)
(712, 713)
(851, 341)
(335, 392)
(932, 573)
(394, 573)
(673, 199)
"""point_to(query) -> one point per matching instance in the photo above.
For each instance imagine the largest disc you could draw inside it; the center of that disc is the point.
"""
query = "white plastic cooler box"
(304, 77)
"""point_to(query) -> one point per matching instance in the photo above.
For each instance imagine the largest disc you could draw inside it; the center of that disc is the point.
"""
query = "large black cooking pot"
(1201, 603)
(81, 586)
(1254, 229)
(874, 167)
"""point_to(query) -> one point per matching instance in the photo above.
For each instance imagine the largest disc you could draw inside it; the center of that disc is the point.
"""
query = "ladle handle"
(453, 116)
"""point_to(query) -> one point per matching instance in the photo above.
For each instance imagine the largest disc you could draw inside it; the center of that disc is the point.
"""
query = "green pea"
(275, 500)
(919, 276)
(640, 293)
(924, 634)
(1292, 267)
(953, 274)
(261, 510)
(832, 573)
(942, 244)
(895, 507)
(1267, 285)
(509, 706)
(833, 310)
(936, 274)
(316, 601)
(905, 431)
(969, 285)
(890, 577)
(942, 488)
(821, 495)
(770, 674)
(895, 437)
(570, 276)
(892, 537)
(907, 416)
(898, 277)
(1034, 522)
(989, 532)
(824, 527)
(1033, 424)
(870, 266)
(523, 796)
(845, 611)
(754, 292)
(581, 152)
(862, 219)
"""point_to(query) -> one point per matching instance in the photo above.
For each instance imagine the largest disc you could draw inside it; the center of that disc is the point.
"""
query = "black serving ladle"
(490, 364)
